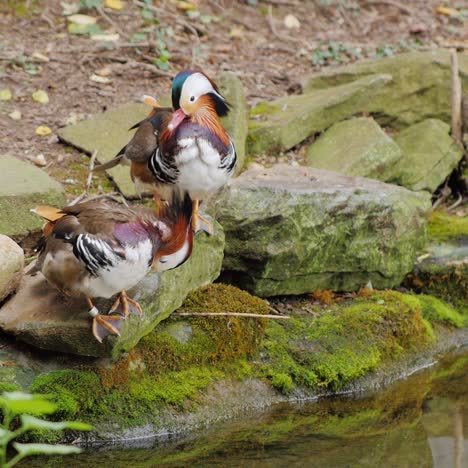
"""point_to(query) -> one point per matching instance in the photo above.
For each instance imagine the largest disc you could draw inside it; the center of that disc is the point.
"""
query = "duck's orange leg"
(125, 301)
(103, 325)
(199, 223)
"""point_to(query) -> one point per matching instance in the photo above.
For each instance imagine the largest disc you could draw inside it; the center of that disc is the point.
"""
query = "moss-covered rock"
(291, 230)
(429, 155)
(281, 124)
(443, 268)
(355, 147)
(223, 365)
(23, 187)
(420, 87)
(236, 122)
(40, 315)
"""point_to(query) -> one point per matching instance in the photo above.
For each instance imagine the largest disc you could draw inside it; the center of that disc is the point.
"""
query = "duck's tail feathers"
(112, 163)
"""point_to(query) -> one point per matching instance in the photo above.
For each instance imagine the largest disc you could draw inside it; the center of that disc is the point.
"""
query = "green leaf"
(25, 450)
(18, 402)
(30, 422)
(147, 15)
(91, 4)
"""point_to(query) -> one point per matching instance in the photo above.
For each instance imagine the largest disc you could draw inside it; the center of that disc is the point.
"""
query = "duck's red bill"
(177, 118)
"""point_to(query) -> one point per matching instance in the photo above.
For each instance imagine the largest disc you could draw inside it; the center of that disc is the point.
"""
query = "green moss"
(347, 341)
(75, 392)
(443, 227)
(9, 387)
(282, 382)
(437, 311)
(264, 108)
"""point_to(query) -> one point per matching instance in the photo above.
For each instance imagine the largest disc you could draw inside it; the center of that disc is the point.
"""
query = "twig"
(445, 193)
(111, 22)
(149, 67)
(230, 314)
(456, 99)
(393, 3)
(88, 180)
(273, 28)
(454, 205)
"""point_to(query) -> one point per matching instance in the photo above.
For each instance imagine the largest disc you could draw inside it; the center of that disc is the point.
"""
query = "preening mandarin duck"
(192, 149)
(100, 248)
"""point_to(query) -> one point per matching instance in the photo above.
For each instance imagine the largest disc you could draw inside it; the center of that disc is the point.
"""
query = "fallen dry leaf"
(237, 32)
(185, 5)
(40, 96)
(40, 57)
(15, 115)
(100, 79)
(82, 19)
(114, 4)
(105, 37)
(446, 11)
(5, 94)
(104, 71)
(291, 22)
(43, 130)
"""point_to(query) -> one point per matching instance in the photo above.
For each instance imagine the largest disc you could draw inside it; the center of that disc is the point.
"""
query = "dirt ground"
(249, 38)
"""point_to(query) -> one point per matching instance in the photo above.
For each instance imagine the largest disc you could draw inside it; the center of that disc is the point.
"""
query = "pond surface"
(421, 421)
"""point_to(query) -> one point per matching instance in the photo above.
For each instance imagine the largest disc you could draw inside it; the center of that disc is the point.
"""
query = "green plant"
(22, 408)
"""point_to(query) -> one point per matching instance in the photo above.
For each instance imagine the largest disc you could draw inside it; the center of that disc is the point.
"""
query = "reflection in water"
(419, 422)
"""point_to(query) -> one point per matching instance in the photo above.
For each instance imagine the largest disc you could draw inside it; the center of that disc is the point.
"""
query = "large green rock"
(442, 269)
(39, 315)
(236, 122)
(355, 147)
(281, 124)
(108, 132)
(23, 187)
(429, 156)
(420, 86)
(291, 230)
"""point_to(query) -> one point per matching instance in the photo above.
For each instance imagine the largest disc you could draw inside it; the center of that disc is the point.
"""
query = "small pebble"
(40, 160)
(254, 166)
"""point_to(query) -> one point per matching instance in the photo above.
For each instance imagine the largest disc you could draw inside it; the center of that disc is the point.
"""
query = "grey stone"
(281, 124)
(23, 187)
(429, 156)
(40, 316)
(355, 147)
(291, 230)
(11, 265)
(420, 86)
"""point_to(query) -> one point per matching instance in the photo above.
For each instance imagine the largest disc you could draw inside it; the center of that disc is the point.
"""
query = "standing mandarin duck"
(100, 248)
(189, 148)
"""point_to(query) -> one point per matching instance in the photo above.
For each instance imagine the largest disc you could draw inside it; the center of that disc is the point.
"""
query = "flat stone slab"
(292, 230)
(23, 186)
(281, 124)
(420, 86)
(109, 132)
(39, 315)
(11, 265)
(430, 154)
(355, 147)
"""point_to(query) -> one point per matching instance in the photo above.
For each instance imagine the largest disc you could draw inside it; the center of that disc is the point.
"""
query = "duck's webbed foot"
(104, 325)
(199, 223)
(128, 306)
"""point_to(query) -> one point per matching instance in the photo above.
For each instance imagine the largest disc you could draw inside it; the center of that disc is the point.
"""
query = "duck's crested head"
(192, 90)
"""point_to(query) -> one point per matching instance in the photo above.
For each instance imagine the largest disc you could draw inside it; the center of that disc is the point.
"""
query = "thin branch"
(393, 3)
(230, 314)
(454, 205)
(110, 21)
(456, 99)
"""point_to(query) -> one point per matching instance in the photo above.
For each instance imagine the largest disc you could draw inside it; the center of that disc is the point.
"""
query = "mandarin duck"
(100, 248)
(192, 150)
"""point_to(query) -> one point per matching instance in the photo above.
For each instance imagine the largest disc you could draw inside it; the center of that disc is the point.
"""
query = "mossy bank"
(195, 371)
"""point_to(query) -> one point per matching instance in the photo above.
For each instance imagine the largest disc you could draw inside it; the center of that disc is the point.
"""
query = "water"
(419, 422)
